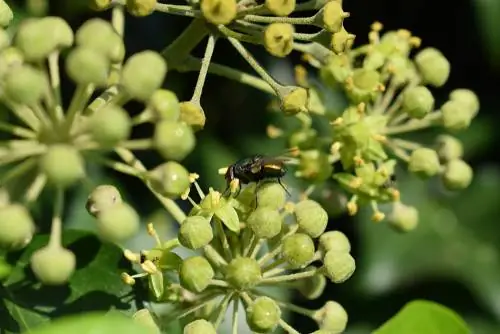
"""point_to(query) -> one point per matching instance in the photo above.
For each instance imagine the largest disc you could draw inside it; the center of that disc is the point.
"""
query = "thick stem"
(236, 304)
(179, 49)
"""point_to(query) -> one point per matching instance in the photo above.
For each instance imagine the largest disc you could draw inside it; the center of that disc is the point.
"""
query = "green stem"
(41, 115)
(289, 277)
(35, 188)
(415, 125)
(205, 63)
(18, 170)
(24, 114)
(236, 304)
(56, 228)
(289, 329)
(250, 246)
(294, 308)
(223, 240)
(239, 36)
(219, 283)
(279, 19)
(55, 84)
(202, 302)
(119, 166)
(215, 258)
(21, 153)
(138, 144)
(106, 97)
(181, 47)
(222, 309)
(118, 23)
(17, 130)
(80, 98)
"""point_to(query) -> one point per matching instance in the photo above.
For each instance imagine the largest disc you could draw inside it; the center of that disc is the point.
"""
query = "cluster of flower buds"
(386, 93)
(241, 245)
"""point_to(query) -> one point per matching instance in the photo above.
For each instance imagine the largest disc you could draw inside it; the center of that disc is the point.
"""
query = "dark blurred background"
(453, 256)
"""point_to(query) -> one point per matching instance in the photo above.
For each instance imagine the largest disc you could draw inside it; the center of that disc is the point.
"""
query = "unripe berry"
(110, 126)
(164, 105)
(332, 16)
(4, 39)
(271, 195)
(145, 318)
(364, 85)
(265, 222)
(170, 179)
(418, 102)
(456, 115)
(143, 74)
(193, 115)
(63, 165)
(314, 166)
(449, 148)
(219, 11)
(311, 218)
(243, 273)
(457, 175)
(312, 287)
(53, 265)
(280, 7)
(99, 35)
(100, 5)
(263, 315)
(25, 84)
(174, 140)
(334, 240)
(141, 7)
(337, 70)
(298, 250)
(339, 266)
(102, 198)
(87, 66)
(332, 318)
(424, 162)
(466, 97)
(6, 14)
(278, 39)
(118, 223)
(433, 67)
(403, 218)
(16, 225)
(293, 100)
(200, 326)
(196, 273)
(195, 232)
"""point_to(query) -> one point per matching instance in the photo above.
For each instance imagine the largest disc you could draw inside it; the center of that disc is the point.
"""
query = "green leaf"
(95, 286)
(421, 316)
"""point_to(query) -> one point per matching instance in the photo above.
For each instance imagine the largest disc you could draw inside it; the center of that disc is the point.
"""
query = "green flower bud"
(164, 105)
(174, 140)
(449, 148)
(110, 126)
(4, 39)
(87, 66)
(6, 14)
(342, 41)
(145, 318)
(53, 264)
(196, 273)
(278, 39)
(418, 102)
(303, 139)
(433, 67)
(243, 273)
(424, 162)
(457, 175)
(403, 218)
(16, 225)
(280, 7)
(337, 70)
(298, 250)
(263, 315)
(332, 16)
(100, 5)
(219, 11)
(100, 36)
(339, 266)
(271, 195)
(10, 58)
(118, 223)
(141, 7)
(265, 222)
(25, 84)
(101, 198)
(456, 115)
(314, 166)
(364, 86)
(293, 100)
(170, 179)
(195, 232)
(311, 217)
(193, 115)
(332, 318)
(466, 97)
(374, 60)
(312, 287)
(394, 43)
(63, 165)
(200, 326)
(143, 74)
(334, 240)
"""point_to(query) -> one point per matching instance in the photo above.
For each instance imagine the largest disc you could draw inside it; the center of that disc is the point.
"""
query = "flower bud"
(393, 44)
(192, 114)
(263, 315)
(364, 85)
(424, 162)
(243, 273)
(449, 148)
(196, 273)
(418, 102)
(118, 223)
(6, 14)
(466, 97)
(337, 70)
(457, 175)
(4, 39)
(293, 100)
(100, 5)
(53, 265)
(456, 115)
(101, 198)
(164, 105)
(63, 165)
(100, 36)
(200, 326)
(314, 166)
(195, 232)
(25, 84)
(219, 11)
(339, 266)
(433, 67)
(16, 225)
(304, 139)
(87, 66)
(170, 179)
(332, 317)
(311, 218)
(278, 39)
(271, 195)
(332, 16)
(312, 287)
(174, 140)
(141, 7)
(280, 7)
(265, 222)
(342, 41)
(374, 60)
(403, 218)
(298, 250)
(143, 74)
(334, 241)
(110, 126)
(145, 318)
